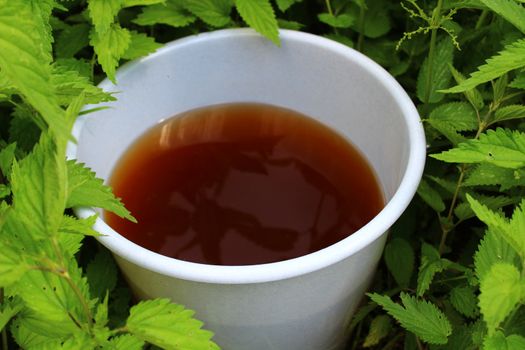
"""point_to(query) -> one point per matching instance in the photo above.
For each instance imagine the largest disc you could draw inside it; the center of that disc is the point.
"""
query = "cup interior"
(312, 75)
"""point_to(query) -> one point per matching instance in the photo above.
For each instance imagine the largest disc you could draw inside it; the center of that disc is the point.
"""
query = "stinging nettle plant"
(453, 269)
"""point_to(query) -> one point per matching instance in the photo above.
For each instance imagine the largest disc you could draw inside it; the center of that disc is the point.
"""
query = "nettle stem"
(331, 12)
(361, 37)
(462, 170)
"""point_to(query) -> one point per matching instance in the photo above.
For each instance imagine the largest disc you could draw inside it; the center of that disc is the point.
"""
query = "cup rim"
(298, 266)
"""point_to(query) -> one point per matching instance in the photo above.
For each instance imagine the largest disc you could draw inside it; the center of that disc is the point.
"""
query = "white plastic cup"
(298, 304)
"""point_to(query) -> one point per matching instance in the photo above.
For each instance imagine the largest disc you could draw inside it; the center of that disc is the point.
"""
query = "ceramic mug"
(303, 303)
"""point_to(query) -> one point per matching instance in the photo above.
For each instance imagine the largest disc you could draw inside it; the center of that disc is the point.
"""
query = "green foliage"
(500, 147)
(213, 12)
(399, 258)
(59, 290)
(420, 317)
(168, 325)
(505, 61)
(260, 16)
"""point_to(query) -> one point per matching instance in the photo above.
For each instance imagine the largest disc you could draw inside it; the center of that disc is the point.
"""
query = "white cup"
(302, 303)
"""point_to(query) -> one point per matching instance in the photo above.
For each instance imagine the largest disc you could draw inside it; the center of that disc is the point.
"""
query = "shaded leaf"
(379, 328)
(430, 196)
(437, 77)
(343, 20)
(172, 13)
(214, 12)
(464, 300)
(399, 259)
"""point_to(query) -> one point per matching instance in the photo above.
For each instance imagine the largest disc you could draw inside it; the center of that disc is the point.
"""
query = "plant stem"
(331, 12)
(445, 230)
(329, 7)
(361, 37)
(419, 345)
(481, 19)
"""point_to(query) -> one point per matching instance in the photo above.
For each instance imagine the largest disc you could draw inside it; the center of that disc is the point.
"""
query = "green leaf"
(343, 20)
(85, 189)
(486, 174)
(26, 127)
(216, 13)
(459, 115)
(74, 226)
(38, 187)
(12, 265)
(168, 325)
(420, 317)
(464, 211)
(379, 328)
(102, 274)
(172, 14)
(140, 45)
(376, 21)
(72, 231)
(293, 25)
(259, 15)
(437, 77)
(512, 57)
(508, 113)
(5, 191)
(430, 196)
(501, 147)
(492, 249)
(130, 3)
(72, 39)
(473, 95)
(431, 264)
(7, 156)
(498, 341)
(10, 308)
(500, 292)
(399, 259)
(69, 84)
(81, 66)
(51, 302)
(284, 5)
(102, 14)
(25, 62)
(464, 300)
(110, 47)
(27, 339)
(101, 315)
(511, 231)
(126, 342)
(518, 82)
(510, 10)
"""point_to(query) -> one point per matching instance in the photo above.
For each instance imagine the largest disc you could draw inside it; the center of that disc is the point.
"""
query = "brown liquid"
(241, 184)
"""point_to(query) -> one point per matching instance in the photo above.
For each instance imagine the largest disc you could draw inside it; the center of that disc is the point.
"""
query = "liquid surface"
(241, 184)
